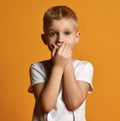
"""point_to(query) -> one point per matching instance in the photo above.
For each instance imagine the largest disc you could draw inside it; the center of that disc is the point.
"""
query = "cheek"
(50, 46)
(71, 43)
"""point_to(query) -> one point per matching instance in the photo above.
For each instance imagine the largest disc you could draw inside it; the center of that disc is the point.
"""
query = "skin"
(60, 38)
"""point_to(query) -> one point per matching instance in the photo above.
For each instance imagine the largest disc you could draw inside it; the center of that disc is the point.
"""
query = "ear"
(77, 37)
(43, 37)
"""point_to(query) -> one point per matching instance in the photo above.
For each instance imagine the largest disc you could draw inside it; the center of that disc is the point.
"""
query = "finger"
(61, 48)
(67, 51)
(54, 50)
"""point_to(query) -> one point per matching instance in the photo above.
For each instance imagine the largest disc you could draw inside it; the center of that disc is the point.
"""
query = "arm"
(46, 94)
(74, 92)
(49, 94)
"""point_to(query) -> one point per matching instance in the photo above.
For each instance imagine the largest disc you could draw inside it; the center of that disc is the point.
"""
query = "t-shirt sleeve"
(36, 74)
(86, 74)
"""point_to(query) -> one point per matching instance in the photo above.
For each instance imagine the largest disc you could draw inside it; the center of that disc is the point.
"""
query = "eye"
(67, 33)
(52, 34)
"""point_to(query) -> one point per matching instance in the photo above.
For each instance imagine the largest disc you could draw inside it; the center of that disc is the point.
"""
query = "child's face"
(62, 31)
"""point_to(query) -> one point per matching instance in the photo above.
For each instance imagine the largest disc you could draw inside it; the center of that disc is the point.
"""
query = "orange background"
(20, 45)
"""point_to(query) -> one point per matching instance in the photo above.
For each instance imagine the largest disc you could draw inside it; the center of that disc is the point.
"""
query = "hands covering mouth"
(55, 47)
(61, 53)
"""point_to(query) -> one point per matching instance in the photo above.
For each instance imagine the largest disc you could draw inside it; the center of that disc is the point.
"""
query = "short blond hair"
(57, 13)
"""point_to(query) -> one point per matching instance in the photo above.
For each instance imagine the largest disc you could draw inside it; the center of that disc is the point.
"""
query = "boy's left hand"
(61, 54)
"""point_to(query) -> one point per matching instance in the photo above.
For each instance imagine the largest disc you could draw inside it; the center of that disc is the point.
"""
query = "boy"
(61, 84)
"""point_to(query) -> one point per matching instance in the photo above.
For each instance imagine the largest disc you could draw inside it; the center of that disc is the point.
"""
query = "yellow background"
(21, 45)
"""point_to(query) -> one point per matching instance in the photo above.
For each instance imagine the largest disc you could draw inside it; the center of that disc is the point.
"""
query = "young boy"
(61, 84)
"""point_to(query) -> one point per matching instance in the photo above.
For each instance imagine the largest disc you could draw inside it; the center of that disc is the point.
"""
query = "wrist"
(58, 67)
(69, 64)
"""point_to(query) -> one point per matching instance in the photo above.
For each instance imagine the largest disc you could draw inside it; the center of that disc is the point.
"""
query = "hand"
(61, 55)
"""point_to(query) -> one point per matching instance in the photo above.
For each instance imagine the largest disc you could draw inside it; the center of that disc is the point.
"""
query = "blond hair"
(57, 13)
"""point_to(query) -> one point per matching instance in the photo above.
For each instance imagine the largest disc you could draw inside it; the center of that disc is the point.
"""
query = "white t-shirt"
(39, 73)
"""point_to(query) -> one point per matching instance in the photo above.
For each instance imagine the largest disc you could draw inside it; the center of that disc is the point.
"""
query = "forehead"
(63, 24)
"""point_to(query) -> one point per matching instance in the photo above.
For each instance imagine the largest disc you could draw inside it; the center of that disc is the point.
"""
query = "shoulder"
(41, 68)
(84, 71)
(40, 65)
(78, 64)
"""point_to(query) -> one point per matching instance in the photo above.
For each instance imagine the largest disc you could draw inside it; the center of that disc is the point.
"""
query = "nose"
(60, 40)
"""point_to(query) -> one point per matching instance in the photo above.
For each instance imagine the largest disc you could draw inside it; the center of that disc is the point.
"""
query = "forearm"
(50, 92)
(72, 91)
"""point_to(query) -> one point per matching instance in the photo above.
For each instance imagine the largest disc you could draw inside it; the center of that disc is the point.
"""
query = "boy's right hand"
(61, 55)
